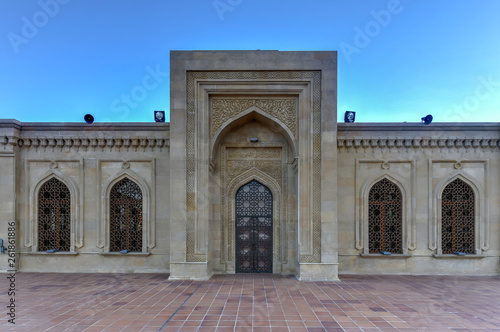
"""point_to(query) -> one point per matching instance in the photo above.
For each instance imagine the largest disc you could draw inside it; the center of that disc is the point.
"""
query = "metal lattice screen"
(385, 221)
(125, 216)
(254, 228)
(54, 216)
(457, 218)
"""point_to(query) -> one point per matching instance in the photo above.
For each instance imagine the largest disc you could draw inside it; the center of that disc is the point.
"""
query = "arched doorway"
(254, 228)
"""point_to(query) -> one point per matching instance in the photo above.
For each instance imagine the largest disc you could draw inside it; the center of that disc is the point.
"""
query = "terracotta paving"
(150, 302)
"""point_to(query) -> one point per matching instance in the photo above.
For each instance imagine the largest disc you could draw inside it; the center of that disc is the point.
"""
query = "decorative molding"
(347, 143)
(312, 79)
(134, 143)
(283, 109)
(148, 190)
(406, 182)
(32, 188)
(481, 194)
(238, 162)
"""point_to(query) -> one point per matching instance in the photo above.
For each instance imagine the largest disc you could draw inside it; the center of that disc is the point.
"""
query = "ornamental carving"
(254, 153)
(236, 161)
(282, 109)
(236, 167)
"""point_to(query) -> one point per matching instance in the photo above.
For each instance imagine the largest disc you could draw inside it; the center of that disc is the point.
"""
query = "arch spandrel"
(240, 119)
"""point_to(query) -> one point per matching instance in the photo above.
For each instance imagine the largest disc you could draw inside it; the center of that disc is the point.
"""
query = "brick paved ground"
(150, 302)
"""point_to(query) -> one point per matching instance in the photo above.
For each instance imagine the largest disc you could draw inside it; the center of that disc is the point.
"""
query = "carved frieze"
(346, 143)
(282, 109)
(236, 167)
(254, 153)
(84, 143)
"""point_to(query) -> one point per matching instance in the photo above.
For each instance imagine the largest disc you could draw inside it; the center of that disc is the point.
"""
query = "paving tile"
(145, 302)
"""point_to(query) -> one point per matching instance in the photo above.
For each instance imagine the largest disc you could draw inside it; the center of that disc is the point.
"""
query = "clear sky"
(398, 60)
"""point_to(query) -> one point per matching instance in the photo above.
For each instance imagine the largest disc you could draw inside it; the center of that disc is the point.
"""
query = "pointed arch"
(477, 225)
(74, 222)
(244, 117)
(369, 208)
(105, 232)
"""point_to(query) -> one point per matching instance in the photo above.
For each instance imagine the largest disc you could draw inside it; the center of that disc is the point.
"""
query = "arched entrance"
(254, 228)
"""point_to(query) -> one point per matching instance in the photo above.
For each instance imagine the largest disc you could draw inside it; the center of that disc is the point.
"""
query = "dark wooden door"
(254, 229)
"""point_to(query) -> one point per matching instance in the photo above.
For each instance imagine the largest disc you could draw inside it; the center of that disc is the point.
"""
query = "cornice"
(417, 142)
(87, 143)
(84, 127)
(419, 127)
(474, 135)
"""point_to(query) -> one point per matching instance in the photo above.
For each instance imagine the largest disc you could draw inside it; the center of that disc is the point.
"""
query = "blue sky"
(399, 60)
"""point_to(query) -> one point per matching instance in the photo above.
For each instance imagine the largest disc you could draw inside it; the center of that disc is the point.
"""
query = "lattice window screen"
(54, 216)
(385, 214)
(457, 218)
(125, 216)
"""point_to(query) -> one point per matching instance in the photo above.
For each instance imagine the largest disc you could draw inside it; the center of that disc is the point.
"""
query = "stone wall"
(88, 159)
(420, 159)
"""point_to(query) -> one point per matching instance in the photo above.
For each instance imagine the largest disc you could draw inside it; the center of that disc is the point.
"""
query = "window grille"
(125, 216)
(54, 216)
(385, 218)
(457, 218)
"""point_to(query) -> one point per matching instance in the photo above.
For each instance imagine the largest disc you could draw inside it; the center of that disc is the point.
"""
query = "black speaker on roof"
(349, 116)
(427, 119)
(88, 118)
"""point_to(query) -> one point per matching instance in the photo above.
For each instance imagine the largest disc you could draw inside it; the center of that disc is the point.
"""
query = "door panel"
(254, 229)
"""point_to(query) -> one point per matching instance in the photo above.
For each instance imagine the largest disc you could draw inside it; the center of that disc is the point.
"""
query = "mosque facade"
(253, 174)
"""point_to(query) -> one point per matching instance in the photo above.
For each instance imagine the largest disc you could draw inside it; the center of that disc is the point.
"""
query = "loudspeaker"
(88, 118)
(159, 116)
(349, 116)
(427, 119)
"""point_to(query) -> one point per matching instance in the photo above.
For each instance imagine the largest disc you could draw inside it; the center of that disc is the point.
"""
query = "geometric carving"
(254, 153)
(237, 167)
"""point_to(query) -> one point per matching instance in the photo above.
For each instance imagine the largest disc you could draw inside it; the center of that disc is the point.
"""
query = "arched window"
(54, 216)
(457, 218)
(385, 218)
(125, 216)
